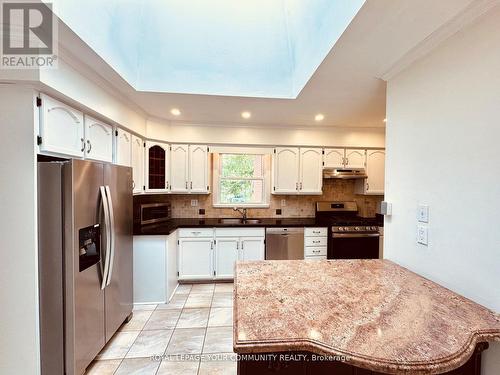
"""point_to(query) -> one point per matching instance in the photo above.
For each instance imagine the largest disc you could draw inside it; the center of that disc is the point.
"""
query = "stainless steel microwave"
(155, 213)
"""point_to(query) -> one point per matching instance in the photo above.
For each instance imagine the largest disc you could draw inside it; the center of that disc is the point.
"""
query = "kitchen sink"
(239, 221)
(252, 221)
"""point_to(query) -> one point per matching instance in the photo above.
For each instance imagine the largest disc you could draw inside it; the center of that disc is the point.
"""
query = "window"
(241, 180)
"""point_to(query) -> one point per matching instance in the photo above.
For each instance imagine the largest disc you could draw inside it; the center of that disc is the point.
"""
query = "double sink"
(232, 220)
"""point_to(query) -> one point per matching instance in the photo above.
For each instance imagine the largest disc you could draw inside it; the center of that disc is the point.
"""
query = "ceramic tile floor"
(198, 320)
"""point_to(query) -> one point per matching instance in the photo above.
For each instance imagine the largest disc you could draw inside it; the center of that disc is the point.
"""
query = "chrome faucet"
(242, 211)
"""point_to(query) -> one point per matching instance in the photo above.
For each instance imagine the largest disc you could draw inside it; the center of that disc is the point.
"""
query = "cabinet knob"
(89, 146)
(83, 144)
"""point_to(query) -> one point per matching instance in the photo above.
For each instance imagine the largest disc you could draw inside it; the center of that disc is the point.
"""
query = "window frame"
(217, 179)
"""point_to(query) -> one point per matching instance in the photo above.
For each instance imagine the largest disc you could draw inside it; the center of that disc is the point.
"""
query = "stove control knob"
(357, 228)
(374, 228)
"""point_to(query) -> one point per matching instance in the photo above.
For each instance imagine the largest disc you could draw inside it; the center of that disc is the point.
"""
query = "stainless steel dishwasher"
(284, 243)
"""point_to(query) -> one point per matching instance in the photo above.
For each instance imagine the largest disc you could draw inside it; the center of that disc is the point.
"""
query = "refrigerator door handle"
(107, 252)
(113, 234)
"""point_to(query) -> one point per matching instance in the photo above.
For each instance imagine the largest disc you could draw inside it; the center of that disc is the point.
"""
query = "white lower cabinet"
(234, 244)
(154, 273)
(252, 248)
(196, 258)
(210, 254)
(315, 243)
(226, 254)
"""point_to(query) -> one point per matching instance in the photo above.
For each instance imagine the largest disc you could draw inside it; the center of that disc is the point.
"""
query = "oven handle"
(354, 235)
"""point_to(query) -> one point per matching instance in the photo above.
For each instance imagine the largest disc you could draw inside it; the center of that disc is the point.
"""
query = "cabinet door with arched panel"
(286, 170)
(311, 171)
(61, 128)
(98, 140)
(334, 157)
(138, 164)
(198, 169)
(375, 169)
(179, 171)
(355, 159)
(123, 149)
(157, 164)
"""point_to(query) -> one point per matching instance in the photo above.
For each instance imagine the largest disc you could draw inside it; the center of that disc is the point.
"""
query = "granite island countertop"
(378, 314)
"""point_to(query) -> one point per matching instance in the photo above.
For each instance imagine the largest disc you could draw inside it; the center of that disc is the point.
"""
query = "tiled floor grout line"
(125, 355)
(182, 309)
(173, 330)
(206, 329)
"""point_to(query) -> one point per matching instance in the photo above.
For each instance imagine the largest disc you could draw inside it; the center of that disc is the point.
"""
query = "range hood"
(344, 173)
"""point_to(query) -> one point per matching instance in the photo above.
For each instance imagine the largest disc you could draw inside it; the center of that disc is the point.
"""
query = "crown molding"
(464, 18)
(260, 125)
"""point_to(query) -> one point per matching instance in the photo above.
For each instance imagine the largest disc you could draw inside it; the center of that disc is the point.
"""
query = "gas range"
(349, 236)
(343, 217)
(355, 229)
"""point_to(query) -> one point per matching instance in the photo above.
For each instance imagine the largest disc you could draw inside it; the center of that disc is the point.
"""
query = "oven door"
(354, 246)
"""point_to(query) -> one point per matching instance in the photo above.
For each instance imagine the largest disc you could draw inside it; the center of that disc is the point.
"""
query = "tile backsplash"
(295, 205)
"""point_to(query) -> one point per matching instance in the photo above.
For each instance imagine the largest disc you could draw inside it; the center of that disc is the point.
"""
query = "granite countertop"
(171, 225)
(381, 316)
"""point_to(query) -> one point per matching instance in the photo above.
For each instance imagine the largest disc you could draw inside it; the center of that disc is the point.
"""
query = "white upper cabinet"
(123, 155)
(286, 170)
(198, 169)
(137, 164)
(157, 166)
(311, 171)
(98, 140)
(179, 171)
(375, 170)
(355, 159)
(61, 128)
(334, 157)
(298, 171)
(189, 169)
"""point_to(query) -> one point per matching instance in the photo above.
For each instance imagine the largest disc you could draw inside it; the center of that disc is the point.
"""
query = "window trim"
(266, 178)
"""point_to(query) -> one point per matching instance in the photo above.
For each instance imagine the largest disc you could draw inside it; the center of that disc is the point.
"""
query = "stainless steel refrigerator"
(85, 260)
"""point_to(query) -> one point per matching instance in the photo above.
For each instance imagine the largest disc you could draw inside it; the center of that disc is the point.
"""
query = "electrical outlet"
(194, 202)
(283, 203)
(422, 234)
(423, 213)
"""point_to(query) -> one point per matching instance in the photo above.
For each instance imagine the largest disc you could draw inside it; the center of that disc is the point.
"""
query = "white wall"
(443, 134)
(193, 133)
(19, 339)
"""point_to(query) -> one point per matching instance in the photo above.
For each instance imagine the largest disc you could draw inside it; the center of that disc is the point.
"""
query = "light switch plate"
(386, 208)
(194, 202)
(423, 234)
(423, 213)
(283, 203)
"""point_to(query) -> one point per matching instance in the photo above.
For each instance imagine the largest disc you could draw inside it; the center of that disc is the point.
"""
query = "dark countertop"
(171, 225)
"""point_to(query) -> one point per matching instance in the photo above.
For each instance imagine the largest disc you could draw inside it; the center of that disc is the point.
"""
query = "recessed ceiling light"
(175, 111)
(385, 120)
(319, 117)
(246, 115)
